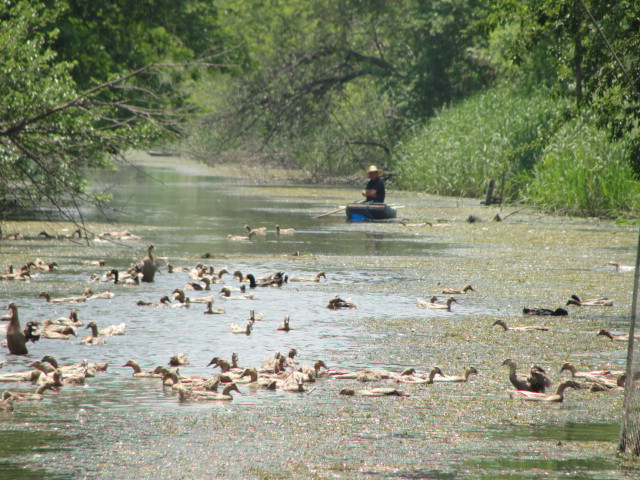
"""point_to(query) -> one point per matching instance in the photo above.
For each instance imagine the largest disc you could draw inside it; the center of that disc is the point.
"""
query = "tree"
(51, 127)
(335, 84)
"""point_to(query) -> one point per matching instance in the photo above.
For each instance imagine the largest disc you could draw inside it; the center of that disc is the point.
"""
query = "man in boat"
(374, 190)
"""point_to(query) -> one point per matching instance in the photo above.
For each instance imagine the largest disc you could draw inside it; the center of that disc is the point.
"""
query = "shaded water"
(120, 427)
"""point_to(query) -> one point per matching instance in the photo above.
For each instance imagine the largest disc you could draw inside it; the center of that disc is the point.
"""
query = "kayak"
(358, 212)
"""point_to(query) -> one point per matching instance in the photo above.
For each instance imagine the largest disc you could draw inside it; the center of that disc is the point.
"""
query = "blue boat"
(359, 212)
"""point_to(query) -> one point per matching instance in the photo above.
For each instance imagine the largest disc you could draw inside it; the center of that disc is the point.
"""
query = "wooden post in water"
(488, 199)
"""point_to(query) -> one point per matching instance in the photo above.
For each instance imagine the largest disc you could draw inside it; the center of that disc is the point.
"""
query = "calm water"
(119, 427)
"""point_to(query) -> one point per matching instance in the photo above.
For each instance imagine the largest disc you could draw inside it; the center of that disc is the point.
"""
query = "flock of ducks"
(278, 371)
(262, 231)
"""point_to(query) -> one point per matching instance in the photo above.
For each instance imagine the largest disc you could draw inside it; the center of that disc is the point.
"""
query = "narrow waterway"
(117, 426)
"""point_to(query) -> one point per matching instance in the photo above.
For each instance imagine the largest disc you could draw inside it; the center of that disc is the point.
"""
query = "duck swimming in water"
(241, 238)
(284, 326)
(48, 298)
(537, 381)
(26, 396)
(457, 291)
(257, 231)
(337, 303)
(187, 394)
(237, 329)
(374, 392)
(524, 328)
(602, 302)
(432, 305)
(139, 373)
(558, 312)
(16, 338)
(284, 231)
(149, 267)
(211, 311)
(623, 337)
(315, 278)
(470, 370)
(94, 338)
(557, 397)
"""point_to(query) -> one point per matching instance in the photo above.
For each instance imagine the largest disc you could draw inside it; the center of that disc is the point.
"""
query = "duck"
(524, 328)
(211, 311)
(408, 376)
(604, 302)
(257, 231)
(48, 364)
(178, 359)
(72, 320)
(241, 238)
(226, 293)
(255, 318)
(224, 365)
(165, 301)
(139, 373)
(284, 231)
(470, 370)
(48, 298)
(624, 337)
(255, 381)
(432, 305)
(315, 278)
(291, 359)
(196, 285)
(337, 303)
(148, 266)
(237, 329)
(537, 381)
(94, 338)
(622, 268)
(367, 375)
(374, 392)
(284, 326)
(293, 382)
(603, 378)
(130, 280)
(28, 396)
(273, 280)
(114, 330)
(31, 376)
(59, 379)
(558, 312)
(55, 332)
(557, 397)
(313, 372)
(205, 395)
(16, 338)
(457, 291)
(88, 293)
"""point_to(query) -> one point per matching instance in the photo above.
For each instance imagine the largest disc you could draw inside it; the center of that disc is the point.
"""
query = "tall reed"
(498, 134)
(583, 173)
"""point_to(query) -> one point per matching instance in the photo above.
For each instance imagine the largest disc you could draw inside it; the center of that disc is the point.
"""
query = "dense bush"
(498, 135)
(582, 172)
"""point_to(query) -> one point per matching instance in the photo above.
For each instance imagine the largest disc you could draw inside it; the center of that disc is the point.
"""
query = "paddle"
(336, 210)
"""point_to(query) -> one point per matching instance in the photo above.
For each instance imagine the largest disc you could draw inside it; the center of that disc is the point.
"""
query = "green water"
(118, 427)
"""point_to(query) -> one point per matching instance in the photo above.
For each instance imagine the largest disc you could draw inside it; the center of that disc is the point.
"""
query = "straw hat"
(373, 168)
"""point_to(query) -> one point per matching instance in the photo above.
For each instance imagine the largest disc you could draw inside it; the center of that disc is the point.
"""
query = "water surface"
(120, 427)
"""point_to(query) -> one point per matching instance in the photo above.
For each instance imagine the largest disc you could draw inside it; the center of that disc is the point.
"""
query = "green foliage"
(495, 135)
(49, 130)
(581, 172)
(330, 85)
